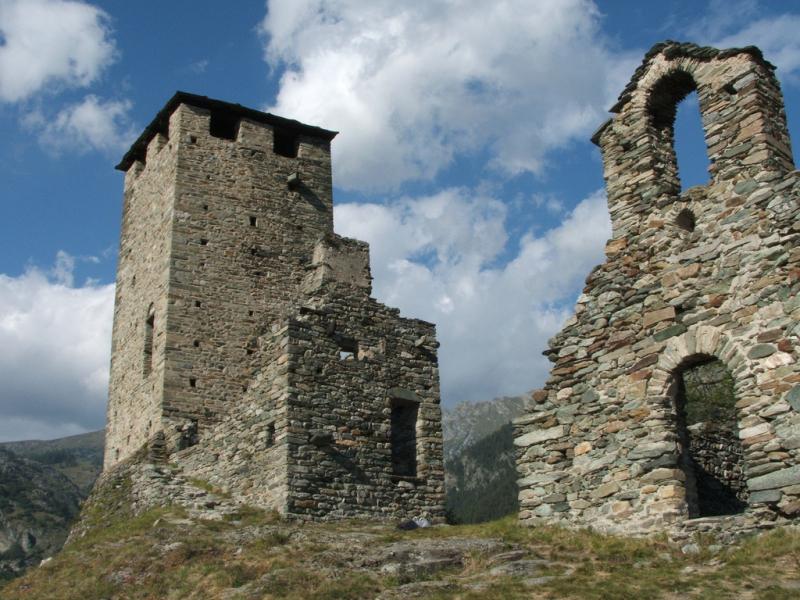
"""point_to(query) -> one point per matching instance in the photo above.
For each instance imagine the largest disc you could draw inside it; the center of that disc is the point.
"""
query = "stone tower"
(246, 346)
(710, 274)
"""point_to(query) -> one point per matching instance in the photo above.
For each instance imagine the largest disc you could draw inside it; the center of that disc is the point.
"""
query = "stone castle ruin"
(699, 288)
(246, 349)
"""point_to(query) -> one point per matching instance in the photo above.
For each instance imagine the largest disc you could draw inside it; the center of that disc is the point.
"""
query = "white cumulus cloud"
(89, 124)
(776, 37)
(414, 85)
(51, 43)
(436, 258)
(54, 352)
(738, 23)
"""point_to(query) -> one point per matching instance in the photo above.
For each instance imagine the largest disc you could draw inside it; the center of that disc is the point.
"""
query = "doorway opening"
(712, 456)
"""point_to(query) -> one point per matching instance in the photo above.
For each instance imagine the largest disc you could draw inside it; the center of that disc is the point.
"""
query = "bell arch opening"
(711, 455)
(673, 107)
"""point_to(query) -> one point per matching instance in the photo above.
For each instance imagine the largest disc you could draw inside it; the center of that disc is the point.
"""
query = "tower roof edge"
(160, 122)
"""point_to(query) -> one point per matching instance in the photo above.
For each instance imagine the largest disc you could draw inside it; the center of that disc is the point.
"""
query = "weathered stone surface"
(541, 435)
(765, 496)
(651, 450)
(655, 316)
(761, 351)
(712, 272)
(793, 398)
(606, 489)
(776, 479)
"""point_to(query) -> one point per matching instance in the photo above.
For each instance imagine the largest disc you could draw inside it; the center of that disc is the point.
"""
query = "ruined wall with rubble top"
(710, 273)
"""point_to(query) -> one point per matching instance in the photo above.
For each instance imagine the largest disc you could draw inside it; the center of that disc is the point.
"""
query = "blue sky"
(463, 158)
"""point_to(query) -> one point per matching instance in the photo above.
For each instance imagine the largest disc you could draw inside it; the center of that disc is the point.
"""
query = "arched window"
(690, 143)
(674, 111)
(149, 340)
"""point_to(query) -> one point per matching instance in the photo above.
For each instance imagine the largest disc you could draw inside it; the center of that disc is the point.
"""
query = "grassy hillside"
(165, 554)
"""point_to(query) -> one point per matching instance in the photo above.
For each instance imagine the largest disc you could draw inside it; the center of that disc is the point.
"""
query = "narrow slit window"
(285, 143)
(404, 438)
(149, 340)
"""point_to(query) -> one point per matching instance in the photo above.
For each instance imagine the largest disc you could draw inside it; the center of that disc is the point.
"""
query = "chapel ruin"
(247, 351)
(708, 278)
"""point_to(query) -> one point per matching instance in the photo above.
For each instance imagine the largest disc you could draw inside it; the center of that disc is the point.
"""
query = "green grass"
(255, 554)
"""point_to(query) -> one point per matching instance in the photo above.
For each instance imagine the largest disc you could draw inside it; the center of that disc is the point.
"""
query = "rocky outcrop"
(37, 506)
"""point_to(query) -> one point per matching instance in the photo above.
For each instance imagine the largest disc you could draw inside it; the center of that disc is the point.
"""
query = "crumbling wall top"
(671, 50)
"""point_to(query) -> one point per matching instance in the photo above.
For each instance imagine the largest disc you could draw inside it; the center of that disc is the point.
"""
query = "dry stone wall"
(348, 378)
(313, 437)
(718, 454)
(713, 272)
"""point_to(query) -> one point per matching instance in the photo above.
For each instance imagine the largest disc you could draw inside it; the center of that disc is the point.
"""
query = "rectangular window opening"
(285, 143)
(192, 382)
(223, 125)
(404, 437)
(348, 348)
(253, 221)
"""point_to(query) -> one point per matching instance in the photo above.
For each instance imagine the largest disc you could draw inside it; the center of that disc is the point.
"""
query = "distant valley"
(42, 485)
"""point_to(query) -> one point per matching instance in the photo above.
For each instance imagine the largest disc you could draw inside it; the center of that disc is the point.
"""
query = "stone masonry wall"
(712, 272)
(134, 411)
(228, 275)
(218, 241)
(246, 454)
(328, 410)
(341, 406)
(717, 450)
